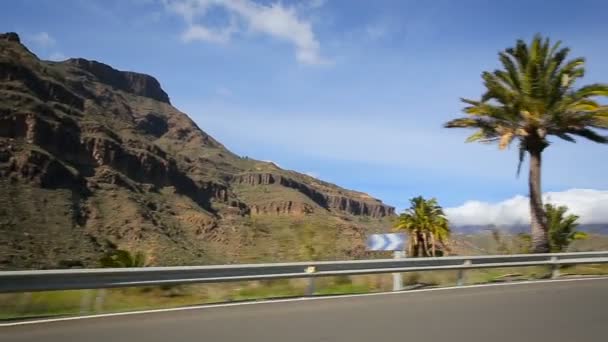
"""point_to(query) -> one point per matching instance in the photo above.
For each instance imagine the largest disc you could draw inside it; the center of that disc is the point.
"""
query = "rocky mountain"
(93, 159)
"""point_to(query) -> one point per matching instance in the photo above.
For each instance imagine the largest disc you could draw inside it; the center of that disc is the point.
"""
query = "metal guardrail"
(70, 279)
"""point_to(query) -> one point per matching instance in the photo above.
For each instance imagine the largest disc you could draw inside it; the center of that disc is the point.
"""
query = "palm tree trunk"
(425, 245)
(540, 243)
(432, 244)
(410, 245)
(415, 247)
(419, 244)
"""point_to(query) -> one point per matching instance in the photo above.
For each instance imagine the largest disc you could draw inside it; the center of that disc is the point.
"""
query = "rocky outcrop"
(281, 208)
(355, 207)
(130, 82)
(45, 89)
(37, 167)
(330, 201)
(64, 144)
(10, 36)
(152, 124)
(254, 179)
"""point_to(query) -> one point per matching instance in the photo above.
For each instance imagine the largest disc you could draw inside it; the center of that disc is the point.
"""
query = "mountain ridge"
(106, 149)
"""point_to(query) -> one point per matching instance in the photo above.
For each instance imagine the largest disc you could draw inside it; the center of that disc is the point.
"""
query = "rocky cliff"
(356, 204)
(93, 158)
(130, 82)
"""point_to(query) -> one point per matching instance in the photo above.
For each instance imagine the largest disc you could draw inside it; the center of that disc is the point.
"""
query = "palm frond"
(566, 137)
(511, 69)
(596, 89)
(521, 156)
(552, 53)
(600, 118)
(505, 140)
(479, 135)
(462, 123)
(590, 135)
(583, 105)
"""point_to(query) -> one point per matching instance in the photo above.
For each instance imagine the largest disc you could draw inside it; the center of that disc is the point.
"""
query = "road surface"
(572, 311)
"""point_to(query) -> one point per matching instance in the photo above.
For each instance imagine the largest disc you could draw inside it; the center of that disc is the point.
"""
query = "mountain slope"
(92, 159)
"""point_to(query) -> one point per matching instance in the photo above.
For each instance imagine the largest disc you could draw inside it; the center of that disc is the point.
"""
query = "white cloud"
(590, 205)
(42, 39)
(198, 32)
(275, 20)
(57, 56)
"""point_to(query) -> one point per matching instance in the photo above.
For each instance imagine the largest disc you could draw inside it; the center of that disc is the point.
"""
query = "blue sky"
(351, 91)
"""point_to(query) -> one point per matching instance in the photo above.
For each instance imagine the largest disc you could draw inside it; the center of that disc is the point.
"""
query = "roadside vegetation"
(562, 228)
(123, 258)
(426, 226)
(562, 233)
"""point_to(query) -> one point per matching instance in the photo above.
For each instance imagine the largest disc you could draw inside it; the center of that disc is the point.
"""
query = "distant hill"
(514, 229)
(93, 159)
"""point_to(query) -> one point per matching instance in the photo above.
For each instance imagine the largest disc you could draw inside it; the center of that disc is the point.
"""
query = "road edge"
(287, 300)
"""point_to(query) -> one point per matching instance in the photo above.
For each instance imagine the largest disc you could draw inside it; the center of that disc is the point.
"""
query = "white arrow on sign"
(386, 242)
(395, 242)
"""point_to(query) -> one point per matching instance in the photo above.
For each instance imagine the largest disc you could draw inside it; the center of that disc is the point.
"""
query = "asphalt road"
(573, 311)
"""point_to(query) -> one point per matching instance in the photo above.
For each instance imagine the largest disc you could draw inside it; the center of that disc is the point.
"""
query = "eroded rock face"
(359, 207)
(10, 36)
(44, 89)
(63, 144)
(282, 208)
(130, 82)
(330, 201)
(153, 124)
(36, 167)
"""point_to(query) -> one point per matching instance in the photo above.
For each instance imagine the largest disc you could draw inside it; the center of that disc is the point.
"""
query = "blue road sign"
(386, 242)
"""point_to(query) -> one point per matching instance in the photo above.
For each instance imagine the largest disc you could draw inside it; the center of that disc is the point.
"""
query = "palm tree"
(562, 229)
(531, 98)
(427, 227)
(122, 258)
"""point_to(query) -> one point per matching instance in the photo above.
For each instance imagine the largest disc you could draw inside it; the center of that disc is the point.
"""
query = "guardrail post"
(397, 277)
(85, 301)
(310, 288)
(99, 299)
(461, 273)
(555, 268)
